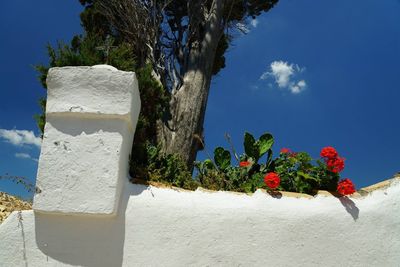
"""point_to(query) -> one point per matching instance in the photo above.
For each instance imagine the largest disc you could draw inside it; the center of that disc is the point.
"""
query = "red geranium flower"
(244, 163)
(335, 165)
(285, 150)
(272, 180)
(346, 187)
(329, 152)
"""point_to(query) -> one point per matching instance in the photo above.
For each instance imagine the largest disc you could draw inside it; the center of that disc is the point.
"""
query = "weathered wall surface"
(91, 116)
(88, 214)
(167, 227)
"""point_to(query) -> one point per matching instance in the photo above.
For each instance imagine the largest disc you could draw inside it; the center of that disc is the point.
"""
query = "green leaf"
(208, 164)
(247, 187)
(152, 152)
(303, 157)
(257, 180)
(222, 158)
(306, 176)
(249, 146)
(264, 143)
(269, 158)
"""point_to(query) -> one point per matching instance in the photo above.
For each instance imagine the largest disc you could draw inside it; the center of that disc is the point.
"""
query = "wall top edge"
(101, 66)
(362, 192)
(359, 194)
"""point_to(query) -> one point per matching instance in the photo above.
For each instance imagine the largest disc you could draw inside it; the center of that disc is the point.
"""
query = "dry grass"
(10, 203)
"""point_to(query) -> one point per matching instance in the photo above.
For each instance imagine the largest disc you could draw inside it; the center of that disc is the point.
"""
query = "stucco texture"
(169, 227)
(91, 116)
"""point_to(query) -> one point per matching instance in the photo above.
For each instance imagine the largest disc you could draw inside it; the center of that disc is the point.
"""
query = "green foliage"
(222, 158)
(255, 149)
(93, 21)
(169, 169)
(154, 104)
(219, 60)
(296, 170)
(41, 118)
(100, 45)
(102, 42)
(154, 98)
(82, 52)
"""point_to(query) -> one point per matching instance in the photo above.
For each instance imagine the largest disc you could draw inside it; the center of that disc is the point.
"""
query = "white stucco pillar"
(91, 115)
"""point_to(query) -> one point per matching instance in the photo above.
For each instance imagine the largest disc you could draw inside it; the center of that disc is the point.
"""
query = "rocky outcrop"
(10, 203)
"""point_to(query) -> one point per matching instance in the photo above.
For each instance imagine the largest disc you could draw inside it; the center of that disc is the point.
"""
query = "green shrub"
(295, 172)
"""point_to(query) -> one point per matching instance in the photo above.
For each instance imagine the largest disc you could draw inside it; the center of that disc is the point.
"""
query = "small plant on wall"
(289, 171)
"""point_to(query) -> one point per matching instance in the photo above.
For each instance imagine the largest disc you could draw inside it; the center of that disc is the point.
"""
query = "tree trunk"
(183, 133)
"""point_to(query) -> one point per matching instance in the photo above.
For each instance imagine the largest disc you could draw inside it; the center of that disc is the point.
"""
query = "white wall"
(169, 227)
(91, 116)
(89, 214)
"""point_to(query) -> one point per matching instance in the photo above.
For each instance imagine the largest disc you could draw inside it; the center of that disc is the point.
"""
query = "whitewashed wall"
(167, 227)
(156, 226)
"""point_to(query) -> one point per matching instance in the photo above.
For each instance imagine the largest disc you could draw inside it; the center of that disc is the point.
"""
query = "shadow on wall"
(107, 123)
(84, 240)
(350, 206)
(347, 203)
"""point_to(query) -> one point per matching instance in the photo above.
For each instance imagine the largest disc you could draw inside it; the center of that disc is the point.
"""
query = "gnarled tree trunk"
(182, 133)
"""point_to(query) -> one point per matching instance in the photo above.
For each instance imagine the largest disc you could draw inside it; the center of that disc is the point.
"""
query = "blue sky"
(313, 73)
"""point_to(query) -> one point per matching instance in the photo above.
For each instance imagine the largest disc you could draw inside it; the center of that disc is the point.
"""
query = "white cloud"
(254, 23)
(24, 156)
(284, 74)
(20, 137)
(298, 87)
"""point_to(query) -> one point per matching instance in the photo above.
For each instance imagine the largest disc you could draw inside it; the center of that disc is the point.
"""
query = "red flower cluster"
(244, 163)
(272, 180)
(285, 150)
(346, 187)
(335, 165)
(328, 152)
(333, 161)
